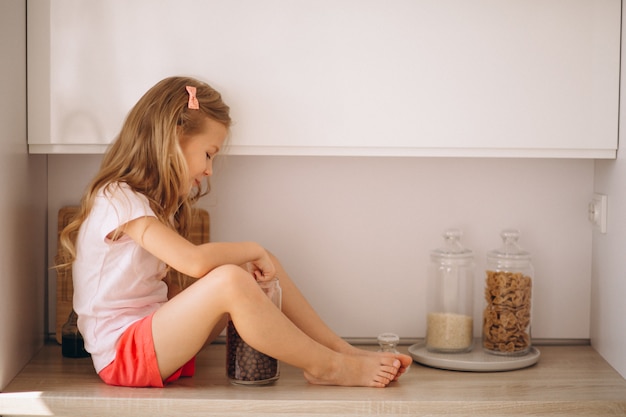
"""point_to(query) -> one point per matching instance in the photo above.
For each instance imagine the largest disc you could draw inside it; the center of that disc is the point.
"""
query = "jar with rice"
(449, 323)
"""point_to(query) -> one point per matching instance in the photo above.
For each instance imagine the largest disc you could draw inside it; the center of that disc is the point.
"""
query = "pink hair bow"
(193, 100)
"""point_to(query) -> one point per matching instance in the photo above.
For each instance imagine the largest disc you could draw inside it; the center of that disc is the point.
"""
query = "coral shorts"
(135, 363)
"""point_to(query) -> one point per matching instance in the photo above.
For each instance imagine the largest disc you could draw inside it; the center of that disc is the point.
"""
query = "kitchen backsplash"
(355, 232)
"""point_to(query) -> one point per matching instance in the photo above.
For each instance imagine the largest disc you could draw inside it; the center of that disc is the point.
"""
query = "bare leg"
(301, 313)
(182, 325)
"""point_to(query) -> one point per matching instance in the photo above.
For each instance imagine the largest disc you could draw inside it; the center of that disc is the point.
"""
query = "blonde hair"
(146, 155)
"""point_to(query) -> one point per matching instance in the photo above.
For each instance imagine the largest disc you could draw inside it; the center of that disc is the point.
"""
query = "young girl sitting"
(131, 229)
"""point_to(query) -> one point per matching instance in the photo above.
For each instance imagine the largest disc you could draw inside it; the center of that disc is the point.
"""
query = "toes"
(389, 373)
(382, 381)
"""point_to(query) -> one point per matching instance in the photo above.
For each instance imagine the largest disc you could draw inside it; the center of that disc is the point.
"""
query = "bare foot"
(405, 360)
(354, 370)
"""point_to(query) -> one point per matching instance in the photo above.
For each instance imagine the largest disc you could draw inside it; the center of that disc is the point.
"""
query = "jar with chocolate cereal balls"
(244, 364)
(508, 296)
(450, 306)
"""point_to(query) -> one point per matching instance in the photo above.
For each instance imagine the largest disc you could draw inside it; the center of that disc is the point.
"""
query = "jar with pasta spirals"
(508, 295)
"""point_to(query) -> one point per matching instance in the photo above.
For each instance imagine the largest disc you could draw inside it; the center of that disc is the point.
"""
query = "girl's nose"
(209, 169)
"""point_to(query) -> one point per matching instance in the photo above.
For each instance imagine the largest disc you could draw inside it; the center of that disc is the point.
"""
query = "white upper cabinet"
(519, 78)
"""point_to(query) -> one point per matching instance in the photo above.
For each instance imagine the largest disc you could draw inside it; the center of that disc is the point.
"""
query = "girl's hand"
(262, 269)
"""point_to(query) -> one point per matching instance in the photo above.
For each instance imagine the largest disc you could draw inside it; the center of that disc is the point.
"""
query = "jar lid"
(510, 249)
(453, 249)
(388, 338)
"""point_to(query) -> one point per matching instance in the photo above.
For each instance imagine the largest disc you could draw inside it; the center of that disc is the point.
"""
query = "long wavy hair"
(146, 155)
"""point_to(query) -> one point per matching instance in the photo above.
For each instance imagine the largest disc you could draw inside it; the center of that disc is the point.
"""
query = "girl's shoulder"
(120, 190)
(123, 197)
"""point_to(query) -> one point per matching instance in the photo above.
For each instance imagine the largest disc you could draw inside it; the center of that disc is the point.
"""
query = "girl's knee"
(228, 278)
(227, 271)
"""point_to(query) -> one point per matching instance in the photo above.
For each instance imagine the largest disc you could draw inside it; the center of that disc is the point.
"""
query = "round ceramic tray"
(477, 360)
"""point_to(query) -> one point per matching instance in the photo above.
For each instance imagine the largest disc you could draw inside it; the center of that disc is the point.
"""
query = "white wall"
(355, 233)
(608, 293)
(23, 189)
(608, 334)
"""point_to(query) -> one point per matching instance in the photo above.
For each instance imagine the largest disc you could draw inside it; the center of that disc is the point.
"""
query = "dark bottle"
(72, 343)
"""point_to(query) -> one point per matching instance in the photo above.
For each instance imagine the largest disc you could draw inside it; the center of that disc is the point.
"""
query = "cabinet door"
(339, 77)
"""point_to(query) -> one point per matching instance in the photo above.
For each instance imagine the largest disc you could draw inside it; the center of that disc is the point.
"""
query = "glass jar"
(72, 343)
(244, 364)
(449, 324)
(388, 342)
(508, 295)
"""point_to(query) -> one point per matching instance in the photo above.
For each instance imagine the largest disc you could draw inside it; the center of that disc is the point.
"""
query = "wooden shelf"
(567, 381)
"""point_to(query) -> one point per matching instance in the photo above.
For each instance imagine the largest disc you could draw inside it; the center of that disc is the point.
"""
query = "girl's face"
(200, 149)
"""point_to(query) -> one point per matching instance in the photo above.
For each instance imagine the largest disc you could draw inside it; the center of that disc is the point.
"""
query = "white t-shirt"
(115, 282)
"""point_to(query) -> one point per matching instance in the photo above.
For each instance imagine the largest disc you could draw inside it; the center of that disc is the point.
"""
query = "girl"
(131, 228)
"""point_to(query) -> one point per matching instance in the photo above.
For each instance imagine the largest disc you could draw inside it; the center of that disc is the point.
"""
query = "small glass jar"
(244, 364)
(450, 323)
(72, 343)
(388, 342)
(508, 296)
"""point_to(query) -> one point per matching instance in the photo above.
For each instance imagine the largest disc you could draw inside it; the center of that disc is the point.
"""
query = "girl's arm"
(196, 260)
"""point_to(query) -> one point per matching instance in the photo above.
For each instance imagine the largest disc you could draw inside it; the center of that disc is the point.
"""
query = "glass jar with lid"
(244, 364)
(508, 296)
(388, 342)
(449, 322)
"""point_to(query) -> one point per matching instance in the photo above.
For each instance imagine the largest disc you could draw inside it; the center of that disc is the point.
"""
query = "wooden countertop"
(567, 381)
